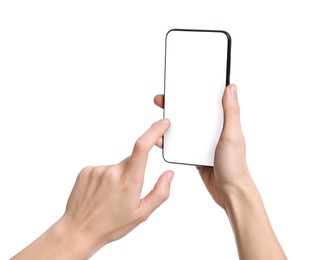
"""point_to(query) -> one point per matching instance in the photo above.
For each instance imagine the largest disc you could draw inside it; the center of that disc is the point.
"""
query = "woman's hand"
(104, 205)
(230, 167)
(231, 186)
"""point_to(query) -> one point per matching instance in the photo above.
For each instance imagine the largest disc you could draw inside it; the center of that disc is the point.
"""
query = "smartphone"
(197, 70)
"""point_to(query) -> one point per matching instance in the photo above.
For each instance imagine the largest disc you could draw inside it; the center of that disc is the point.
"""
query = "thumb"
(231, 125)
(158, 195)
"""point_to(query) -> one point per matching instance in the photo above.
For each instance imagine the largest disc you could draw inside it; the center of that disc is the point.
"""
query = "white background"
(77, 79)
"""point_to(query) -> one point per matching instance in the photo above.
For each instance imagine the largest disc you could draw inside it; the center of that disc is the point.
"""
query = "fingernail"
(165, 121)
(170, 176)
(233, 90)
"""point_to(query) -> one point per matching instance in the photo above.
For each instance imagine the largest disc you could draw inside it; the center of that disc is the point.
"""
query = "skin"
(104, 205)
(232, 188)
(105, 202)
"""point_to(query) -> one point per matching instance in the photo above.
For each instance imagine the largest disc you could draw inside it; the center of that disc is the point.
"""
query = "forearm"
(253, 232)
(56, 243)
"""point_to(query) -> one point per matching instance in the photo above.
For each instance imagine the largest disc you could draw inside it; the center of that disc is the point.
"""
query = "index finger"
(143, 145)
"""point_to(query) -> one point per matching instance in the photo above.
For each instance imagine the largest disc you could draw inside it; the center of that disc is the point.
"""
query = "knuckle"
(236, 144)
(162, 195)
(94, 172)
(85, 173)
(109, 172)
(105, 174)
(235, 109)
(87, 170)
(140, 146)
(100, 170)
(234, 140)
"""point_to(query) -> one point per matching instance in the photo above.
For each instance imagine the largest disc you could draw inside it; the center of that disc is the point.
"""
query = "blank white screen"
(195, 78)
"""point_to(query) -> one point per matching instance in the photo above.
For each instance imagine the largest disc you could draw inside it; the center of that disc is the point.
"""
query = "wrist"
(70, 243)
(75, 242)
(61, 242)
(251, 227)
(241, 196)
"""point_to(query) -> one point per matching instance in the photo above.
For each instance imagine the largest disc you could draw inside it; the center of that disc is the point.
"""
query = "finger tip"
(159, 100)
(166, 121)
(231, 84)
(155, 99)
(230, 94)
(169, 176)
